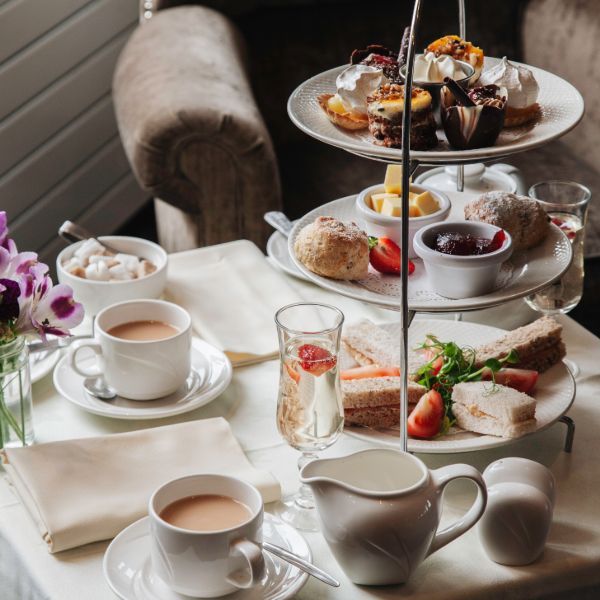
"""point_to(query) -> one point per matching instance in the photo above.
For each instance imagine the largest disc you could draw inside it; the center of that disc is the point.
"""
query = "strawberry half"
(315, 360)
(385, 255)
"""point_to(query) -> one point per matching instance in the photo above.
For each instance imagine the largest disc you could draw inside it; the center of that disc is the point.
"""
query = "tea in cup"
(142, 348)
(206, 535)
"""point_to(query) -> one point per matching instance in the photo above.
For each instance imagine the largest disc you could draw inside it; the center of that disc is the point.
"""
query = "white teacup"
(207, 564)
(139, 369)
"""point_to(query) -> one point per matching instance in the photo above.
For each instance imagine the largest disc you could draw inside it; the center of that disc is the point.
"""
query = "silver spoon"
(97, 387)
(302, 564)
(279, 221)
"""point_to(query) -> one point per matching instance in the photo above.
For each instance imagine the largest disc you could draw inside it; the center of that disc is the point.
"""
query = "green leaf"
(373, 241)
(493, 364)
(512, 357)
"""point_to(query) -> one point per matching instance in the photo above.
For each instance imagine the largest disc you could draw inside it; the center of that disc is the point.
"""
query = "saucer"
(277, 251)
(209, 377)
(41, 363)
(128, 570)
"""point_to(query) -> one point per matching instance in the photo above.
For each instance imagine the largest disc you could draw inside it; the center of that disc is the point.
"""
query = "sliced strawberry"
(425, 421)
(292, 372)
(315, 360)
(523, 380)
(385, 256)
(369, 372)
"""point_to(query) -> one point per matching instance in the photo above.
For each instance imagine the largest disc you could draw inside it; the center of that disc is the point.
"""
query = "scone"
(521, 216)
(333, 249)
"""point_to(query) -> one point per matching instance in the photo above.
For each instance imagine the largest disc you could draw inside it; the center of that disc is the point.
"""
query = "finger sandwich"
(492, 409)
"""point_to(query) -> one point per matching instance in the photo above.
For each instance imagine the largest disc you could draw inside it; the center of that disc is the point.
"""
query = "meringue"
(521, 86)
(430, 68)
(355, 83)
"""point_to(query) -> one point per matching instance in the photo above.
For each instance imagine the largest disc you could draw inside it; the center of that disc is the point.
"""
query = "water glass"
(566, 203)
(310, 413)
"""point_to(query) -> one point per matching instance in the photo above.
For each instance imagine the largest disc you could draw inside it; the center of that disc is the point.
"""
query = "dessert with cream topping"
(459, 49)
(430, 68)
(473, 120)
(377, 56)
(521, 88)
(385, 108)
(348, 106)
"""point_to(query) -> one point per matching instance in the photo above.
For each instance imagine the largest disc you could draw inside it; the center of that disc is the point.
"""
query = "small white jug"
(521, 495)
(380, 510)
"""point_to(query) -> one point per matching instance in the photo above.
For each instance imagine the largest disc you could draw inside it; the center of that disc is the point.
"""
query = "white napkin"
(232, 294)
(87, 490)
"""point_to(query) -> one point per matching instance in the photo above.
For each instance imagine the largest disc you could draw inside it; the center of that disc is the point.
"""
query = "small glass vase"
(16, 425)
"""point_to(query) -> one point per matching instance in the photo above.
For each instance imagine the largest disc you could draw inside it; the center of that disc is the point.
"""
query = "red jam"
(465, 244)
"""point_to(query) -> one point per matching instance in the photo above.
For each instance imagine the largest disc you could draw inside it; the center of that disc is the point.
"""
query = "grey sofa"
(200, 100)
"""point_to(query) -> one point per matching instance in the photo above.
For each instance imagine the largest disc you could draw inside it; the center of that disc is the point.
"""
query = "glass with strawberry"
(310, 414)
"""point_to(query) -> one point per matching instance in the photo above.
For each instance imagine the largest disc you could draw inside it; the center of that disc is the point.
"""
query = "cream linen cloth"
(87, 490)
(232, 294)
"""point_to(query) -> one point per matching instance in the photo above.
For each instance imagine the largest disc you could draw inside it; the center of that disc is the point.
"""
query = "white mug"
(139, 369)
(212, 563)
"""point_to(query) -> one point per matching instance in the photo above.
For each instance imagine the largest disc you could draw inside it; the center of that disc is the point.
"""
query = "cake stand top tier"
(561, 104)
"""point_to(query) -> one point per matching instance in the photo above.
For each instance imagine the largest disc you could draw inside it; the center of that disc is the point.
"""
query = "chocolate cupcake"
(474, 120)
(385, 109)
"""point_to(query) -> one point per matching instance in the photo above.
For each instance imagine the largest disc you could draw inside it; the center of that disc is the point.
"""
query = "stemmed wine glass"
(566, 203)
(310, 414)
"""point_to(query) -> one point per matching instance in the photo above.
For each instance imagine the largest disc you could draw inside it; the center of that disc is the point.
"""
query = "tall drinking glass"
(310, 414)
(566, 203)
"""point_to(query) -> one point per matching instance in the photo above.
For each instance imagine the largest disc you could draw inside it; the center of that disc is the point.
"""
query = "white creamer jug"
(380, 510)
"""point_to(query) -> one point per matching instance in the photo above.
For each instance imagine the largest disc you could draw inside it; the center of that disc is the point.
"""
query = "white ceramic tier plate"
(42, 363)
(561, 109)
(277, 251)
(210, 376)
(524, 274)
(554, 392)
(128, 571)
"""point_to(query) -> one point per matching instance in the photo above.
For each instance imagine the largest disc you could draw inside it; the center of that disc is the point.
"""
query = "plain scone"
(333, 249)
(521, 216)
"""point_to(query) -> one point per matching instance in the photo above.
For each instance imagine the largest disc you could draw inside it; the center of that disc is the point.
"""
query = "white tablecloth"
(460, 570)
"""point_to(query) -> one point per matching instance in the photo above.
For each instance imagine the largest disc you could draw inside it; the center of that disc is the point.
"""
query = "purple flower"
(54, 310)
(9, 299)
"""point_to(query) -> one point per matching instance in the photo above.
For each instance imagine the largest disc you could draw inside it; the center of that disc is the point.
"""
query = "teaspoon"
(97, 387)
(302, 564)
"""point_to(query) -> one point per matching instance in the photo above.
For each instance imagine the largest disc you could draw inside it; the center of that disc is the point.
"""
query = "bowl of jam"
(462, 258)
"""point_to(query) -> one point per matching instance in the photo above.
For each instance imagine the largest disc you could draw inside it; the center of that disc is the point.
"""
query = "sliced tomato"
(436, 366)
(522, 380)
(425, 421)
(369, 372)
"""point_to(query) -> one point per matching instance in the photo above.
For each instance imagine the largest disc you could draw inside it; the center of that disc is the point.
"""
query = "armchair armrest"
(191, 129)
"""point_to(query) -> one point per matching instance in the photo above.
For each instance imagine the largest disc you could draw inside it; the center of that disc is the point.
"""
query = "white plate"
(524, 274)
(128, 571)
(561, 109)
(41, 363)
(210, 376)
(277, 250)
(554, 392)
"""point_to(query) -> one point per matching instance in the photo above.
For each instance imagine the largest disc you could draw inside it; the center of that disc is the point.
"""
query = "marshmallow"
(97, 272)
(73, 263)
(129, 261)
(89, 247)
(120, 273)
(97, 258)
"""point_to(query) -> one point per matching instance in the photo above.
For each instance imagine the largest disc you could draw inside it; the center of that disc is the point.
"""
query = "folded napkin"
(87, 490)
(232, 294)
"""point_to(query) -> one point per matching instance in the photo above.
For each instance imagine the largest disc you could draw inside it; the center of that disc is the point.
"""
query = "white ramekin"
(461, 276)
(379, 225)
(96, 295)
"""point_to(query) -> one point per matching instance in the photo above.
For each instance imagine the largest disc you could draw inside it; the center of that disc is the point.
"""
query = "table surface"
(570, 562)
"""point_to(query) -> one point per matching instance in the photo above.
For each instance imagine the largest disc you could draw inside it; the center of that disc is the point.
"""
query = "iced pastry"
(521, 88)
(377, 56)
(348, 106)
(472, 120)
(430, 68)
(385, 108)
(459, 49)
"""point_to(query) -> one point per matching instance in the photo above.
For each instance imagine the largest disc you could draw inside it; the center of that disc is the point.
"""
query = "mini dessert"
(385, 108)
(377, 56)
(521, 216)
(521, 88)
(93, 261)
(333, 249)
(465, 244)
(493, 409)
(430, 68)
(472, 120)
(348, 106)
(538, 345)
(458, 49)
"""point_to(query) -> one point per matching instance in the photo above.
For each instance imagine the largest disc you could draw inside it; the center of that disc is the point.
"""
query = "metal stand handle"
(570, 433)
